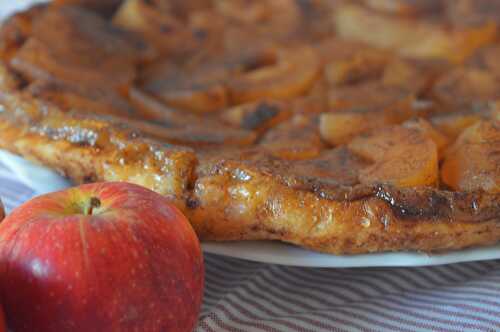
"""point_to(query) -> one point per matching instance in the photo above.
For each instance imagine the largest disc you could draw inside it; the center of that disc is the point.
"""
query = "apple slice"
(198, 99)
(467, 13)
(466, 87)
(85, 99)
(401, 156)
(331, 168)
(258, 116)
(37, 61)
(496, 112)
(403, 7)
(416, 38)
(277, 20)
(291, 74)
(487, 58)
(429, 131)
(339, 128)
(295, 139)
(74, 45)
(199, 84)
(105, 8)
(472, 163)
(452, 124)
(364, 63)
(197, 88)
(152, 109)
(208, 133)
(16, 29)
(9, 81)
(375, 96)
(158, 25)
(352, 115)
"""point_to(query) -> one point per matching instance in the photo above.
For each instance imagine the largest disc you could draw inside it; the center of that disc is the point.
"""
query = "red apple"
(100, 257)
(3, 327)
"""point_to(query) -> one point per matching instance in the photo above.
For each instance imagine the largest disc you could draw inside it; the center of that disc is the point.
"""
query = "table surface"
(248, 296)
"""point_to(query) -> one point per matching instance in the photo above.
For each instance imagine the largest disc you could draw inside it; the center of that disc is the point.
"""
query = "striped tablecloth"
(248, 296)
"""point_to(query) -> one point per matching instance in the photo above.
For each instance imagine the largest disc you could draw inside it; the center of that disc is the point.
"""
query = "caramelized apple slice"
(199, 90)
(467, 13)
(35, 61)
(210, 98)
(75, 31)
(495, 114)
(295, 139)
(179, 127)
(278, 19)
(104, 7)
(390, 99)
(259, 116)
(331, 168)
(452, 124)
(339, 128)
(472, 163)
(410, 37)
(292, 75)
(404, 7)
(16, 29)
(9, 81)
(211, 84)
(365, 63)
(159, 26)
(154, 110)
(401, 156)
(487, 58)
(412, 75)
(74, 45)
(198, 85)
(85, 99)
(206, 134)
(375, 96)
(463, 88)
(429, 131)
(315, 102)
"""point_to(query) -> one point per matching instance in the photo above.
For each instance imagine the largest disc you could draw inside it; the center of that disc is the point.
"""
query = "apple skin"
(3, 326)
(132, 263)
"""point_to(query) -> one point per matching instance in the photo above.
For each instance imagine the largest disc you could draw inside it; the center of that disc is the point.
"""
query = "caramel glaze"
(244, 194)
(234, 200)
(88, 148)
(233, 190)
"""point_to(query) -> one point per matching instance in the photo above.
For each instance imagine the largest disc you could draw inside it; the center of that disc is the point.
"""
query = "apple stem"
(93, 204)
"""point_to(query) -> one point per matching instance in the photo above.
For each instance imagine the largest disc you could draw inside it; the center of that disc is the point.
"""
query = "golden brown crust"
(251, 196)
(256, 206)
(87, 149)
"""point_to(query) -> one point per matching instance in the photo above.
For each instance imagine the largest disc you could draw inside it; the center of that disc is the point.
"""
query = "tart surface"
(345, 127)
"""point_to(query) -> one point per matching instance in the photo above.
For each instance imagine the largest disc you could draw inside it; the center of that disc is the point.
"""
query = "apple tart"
(341, 126)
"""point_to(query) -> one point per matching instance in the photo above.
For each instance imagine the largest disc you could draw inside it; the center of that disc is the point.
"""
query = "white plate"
(43, 180)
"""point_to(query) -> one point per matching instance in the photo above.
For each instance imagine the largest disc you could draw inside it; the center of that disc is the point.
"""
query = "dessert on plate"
(341, 126)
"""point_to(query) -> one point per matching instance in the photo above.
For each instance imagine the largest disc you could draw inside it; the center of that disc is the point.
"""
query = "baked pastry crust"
(341, 146)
